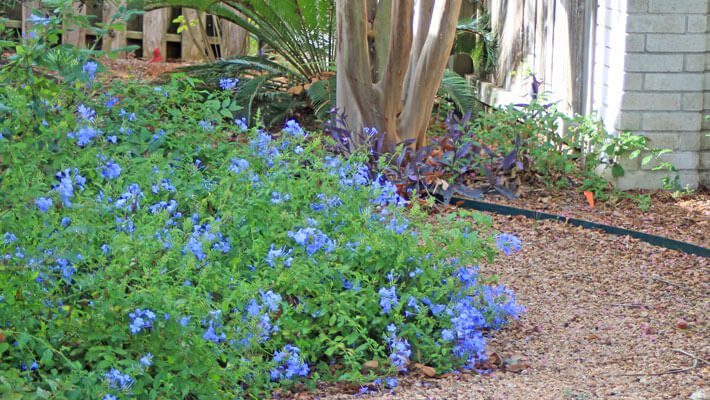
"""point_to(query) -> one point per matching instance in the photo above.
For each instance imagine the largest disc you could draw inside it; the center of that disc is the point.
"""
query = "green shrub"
(153, 247)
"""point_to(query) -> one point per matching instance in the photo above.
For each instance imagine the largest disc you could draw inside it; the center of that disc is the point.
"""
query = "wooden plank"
(190, 50)
(116, 39)
(155, 25)
(27, 8)
(235, 40)
(72, 34)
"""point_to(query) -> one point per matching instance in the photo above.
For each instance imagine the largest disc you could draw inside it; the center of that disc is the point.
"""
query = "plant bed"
(155, 247)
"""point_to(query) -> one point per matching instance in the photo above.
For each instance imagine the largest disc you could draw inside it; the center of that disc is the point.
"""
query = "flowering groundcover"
(153, 247)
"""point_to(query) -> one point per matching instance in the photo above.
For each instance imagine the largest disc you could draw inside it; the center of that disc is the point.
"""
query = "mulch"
(685, 218)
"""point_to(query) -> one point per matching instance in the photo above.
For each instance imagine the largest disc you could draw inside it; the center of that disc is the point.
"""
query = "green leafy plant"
(154, 247)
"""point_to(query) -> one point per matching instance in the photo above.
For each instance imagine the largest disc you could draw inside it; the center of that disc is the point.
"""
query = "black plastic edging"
(652, 239)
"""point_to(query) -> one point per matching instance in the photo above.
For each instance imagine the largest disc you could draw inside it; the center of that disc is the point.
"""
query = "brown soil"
(608, 317)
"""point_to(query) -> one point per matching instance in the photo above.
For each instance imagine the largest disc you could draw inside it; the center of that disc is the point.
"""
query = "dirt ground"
(607, 318)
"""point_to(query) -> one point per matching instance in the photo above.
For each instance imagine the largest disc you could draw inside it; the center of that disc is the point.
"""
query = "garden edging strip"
(537, 215)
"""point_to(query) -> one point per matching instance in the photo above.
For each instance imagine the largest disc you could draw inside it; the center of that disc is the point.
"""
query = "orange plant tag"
(590, 198)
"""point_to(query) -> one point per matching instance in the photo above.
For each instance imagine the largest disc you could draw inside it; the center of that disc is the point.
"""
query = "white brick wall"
(652, 77)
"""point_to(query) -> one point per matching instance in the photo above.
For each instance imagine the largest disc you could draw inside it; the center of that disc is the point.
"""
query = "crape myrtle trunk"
(391, 57)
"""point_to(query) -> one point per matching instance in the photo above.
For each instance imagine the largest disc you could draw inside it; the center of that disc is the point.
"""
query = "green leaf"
(617, 171)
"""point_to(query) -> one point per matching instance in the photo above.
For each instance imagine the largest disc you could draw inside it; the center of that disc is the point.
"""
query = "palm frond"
(459, 91)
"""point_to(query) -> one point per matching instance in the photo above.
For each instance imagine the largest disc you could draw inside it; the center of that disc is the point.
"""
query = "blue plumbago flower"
(67, 180)
(241, 124)
(130, 199)
(400, 349)
(111, 102)
(146, 361)
(117, 380)
(85, 113)
(468, 276)
(313, 240)
(125, 225)
(110, 397)
(386, 193)
(326, 202)
(213, 324)
(131, 116)
(111, 170)
(253, 308)
(112, 139)
(35, 19)
(294, 129)
(66, 221)
(388, 299)
(447, 335)
(238, 165)
(185, 321)
(435, 309)
(206, 125)
(278, 197)
(271, 300)
(412, 307)
(194, 246)
(170, 206)
(90, 68)
(8, 238)
(222, 244)
(84, 135)
(290, 365)
(500, 302)
(164, 184)
(105, 248)
(141, 320)
(275, 253)
(397, 226)
(391, 382)
(228, 83)
(348, 285)
(508, 243)
(467, 322)
(160, 133)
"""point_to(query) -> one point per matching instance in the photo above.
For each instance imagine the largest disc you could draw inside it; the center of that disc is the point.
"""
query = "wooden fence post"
(27, 8)
(75, 35)
(235, 40)
(191, 51)
(155, 27)
(116, 39)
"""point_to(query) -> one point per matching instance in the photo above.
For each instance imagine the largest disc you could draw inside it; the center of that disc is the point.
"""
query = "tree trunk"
(392, 92)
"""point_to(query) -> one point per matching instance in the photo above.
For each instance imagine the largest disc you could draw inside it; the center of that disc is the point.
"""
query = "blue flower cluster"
(289, 364)
(141, 320)
(508, 243)
(111, 170)
(228, 83)
(213, 323)
(294, 129)
(90, 69)
(118, 381)
(67, 183)
(313, 240)
(400, 349)
(467, 322)
(388, 299)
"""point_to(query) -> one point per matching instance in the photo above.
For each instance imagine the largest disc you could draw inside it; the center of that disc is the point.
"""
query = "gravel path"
(608, 317)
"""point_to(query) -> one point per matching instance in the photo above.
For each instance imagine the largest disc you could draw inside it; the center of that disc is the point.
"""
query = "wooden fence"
(551, 39)
(152, 30)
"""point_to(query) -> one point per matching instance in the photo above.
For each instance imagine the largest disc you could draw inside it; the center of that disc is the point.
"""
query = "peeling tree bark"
(392, 92)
